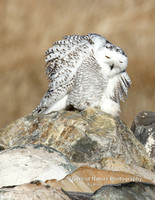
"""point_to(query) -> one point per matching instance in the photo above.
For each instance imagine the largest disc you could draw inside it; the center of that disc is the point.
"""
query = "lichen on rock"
(82, 136)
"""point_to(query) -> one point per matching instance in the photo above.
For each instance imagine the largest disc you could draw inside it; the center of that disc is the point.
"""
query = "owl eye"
(107, 57)
(120, 61)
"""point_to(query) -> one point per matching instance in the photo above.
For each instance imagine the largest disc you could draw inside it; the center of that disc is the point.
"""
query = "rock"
(144, 118)
(143, 128)
(20, 165)
(78, 195)
(88, 179)
(32, 191)
(87, 136)
(112, 164)
(128, 191)
(24, 164)
(37, 190)
(109, 149)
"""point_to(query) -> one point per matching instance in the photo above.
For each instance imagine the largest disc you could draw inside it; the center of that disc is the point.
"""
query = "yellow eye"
(107, 57)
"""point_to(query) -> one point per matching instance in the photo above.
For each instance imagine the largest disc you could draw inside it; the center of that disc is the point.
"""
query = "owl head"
(111, 58)
(75, 48)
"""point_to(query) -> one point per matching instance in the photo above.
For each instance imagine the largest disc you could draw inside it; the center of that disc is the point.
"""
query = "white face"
(112, 59)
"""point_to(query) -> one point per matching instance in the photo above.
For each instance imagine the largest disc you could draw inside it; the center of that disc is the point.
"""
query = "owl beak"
(111, 66)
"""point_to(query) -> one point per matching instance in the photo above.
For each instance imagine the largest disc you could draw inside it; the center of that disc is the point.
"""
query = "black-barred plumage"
(85, 71)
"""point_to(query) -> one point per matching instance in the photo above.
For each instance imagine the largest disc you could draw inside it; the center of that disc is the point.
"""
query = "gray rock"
(78, 195)
(87, 136)
(143, 128)
(23, 164)
(128, 191)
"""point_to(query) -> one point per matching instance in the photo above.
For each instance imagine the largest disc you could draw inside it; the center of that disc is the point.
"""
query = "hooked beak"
(111, 66)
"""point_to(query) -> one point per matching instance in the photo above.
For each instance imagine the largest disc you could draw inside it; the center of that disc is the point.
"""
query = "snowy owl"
(85, 71)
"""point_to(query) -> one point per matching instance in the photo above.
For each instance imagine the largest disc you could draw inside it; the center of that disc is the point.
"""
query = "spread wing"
(64, 58)
(62, 61)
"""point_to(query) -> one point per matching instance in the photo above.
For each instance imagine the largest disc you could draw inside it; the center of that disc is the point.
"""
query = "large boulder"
(24, 164)
(128, 191)
(83, 137)
(143, 128)
(70, 155)
(87, 136)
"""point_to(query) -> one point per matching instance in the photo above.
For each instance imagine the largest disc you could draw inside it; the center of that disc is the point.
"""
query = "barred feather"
(85, 71)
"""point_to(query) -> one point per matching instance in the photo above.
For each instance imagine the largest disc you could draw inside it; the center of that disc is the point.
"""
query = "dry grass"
(28, 28)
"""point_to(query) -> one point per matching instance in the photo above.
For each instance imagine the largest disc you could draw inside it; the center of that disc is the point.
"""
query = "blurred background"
(28, 28)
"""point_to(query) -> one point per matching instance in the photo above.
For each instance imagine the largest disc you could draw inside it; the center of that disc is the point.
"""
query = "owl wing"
(62, 62)
(121, 86)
